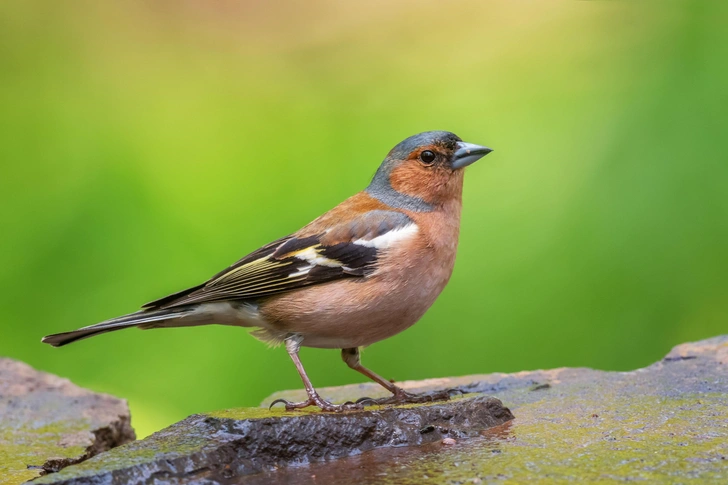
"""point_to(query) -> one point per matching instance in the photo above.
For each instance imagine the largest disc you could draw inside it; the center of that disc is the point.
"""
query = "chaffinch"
(362, 272)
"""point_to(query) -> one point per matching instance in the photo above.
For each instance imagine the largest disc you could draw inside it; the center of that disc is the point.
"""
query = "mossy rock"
(667, 423)
(230, 445)
(48, 423)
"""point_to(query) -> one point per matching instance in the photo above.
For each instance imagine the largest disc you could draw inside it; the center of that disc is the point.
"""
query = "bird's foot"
(316, 400)
(403, 397)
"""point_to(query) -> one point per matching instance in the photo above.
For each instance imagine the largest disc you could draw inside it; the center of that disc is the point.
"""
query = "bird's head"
(424, 171)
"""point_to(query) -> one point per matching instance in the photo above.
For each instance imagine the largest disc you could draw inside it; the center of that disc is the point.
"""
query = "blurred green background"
(147, 145)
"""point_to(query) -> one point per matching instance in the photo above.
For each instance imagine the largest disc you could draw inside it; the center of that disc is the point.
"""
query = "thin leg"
(352, 358)
(293, 345)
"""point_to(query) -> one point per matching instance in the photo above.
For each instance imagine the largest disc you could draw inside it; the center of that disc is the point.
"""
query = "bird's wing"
(347, 249)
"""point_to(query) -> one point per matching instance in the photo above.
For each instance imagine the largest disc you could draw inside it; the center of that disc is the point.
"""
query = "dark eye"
(427, 157)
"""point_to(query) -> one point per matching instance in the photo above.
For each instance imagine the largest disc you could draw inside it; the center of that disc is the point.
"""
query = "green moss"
(654, 439)
(171, 442)
(25, 446)
(256, 413)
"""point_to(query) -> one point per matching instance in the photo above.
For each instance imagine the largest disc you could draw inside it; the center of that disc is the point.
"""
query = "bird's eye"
(427, 157)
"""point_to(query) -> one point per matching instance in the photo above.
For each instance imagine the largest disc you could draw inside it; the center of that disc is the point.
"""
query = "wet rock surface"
(667, 423)
(48, 423)
(227, 446)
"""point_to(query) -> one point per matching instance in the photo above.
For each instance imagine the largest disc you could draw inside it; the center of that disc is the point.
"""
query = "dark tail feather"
(126, 321)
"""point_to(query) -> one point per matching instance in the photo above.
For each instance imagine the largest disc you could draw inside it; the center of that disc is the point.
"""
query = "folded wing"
(348, 249)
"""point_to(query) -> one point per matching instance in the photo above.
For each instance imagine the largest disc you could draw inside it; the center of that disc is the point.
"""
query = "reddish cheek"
(418, 181)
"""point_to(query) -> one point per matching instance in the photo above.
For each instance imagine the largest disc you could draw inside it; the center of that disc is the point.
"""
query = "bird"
(360, 273)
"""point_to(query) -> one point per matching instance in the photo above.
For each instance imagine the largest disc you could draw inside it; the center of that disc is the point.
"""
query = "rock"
(667, 423)
(48, 423)
(223, 446)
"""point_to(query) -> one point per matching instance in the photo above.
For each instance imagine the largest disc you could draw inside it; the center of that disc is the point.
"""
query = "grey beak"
(468, 153)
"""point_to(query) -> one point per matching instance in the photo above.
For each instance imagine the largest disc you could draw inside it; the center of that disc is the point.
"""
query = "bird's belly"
(358, 312)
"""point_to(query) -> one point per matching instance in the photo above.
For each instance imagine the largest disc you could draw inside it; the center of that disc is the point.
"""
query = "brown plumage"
(362, 272)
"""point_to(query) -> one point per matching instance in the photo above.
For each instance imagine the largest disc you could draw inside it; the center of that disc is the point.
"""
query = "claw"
(337, 408)
(322, 404)
(404, 397)
(278, 401)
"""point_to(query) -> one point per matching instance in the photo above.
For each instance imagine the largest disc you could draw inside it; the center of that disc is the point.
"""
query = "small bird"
(362, 272)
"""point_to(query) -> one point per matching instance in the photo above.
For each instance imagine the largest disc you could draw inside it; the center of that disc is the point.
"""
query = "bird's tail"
(139, 318)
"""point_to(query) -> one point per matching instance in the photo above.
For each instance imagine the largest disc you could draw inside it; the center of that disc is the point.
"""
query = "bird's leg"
(399, 396)
(352, 357)
(293, 345)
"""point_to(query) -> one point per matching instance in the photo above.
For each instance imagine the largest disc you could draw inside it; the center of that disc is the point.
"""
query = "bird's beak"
(468, 153)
